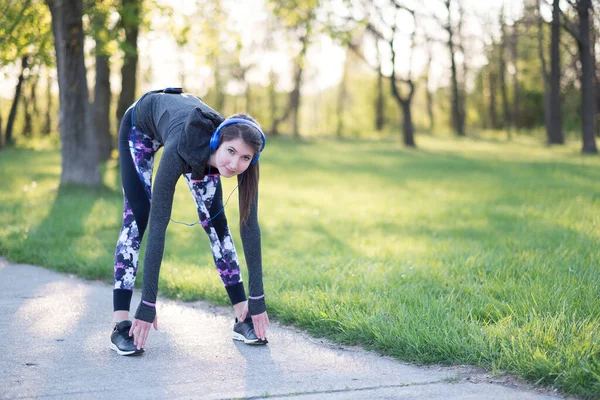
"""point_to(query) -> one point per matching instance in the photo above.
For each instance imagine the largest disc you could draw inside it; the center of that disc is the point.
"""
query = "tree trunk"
(102, 92)
(588, 104)
(294, 97)
(493, 87)
(506, 119)
(295, 101)
(380, 103)
(556, 129)
(48, 123)
(130, 20)
(78, 147)
(342, 94)
(273, 102)
(27, 123)
(33, 94)
(13, 109)
(219, 92)
(514, 50)
(408, 129)
(462, 89)
(429, 95)
(593, 39)
(102, 97)
(456, 115)
(545, 74)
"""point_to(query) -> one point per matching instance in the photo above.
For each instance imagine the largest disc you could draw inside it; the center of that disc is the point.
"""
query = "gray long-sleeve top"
(184, 125)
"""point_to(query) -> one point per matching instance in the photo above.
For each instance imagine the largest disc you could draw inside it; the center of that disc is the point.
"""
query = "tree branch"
(566, 48)
(402, 7)
(570, 27)
(356, 50)
(572, 3)
(371, 28)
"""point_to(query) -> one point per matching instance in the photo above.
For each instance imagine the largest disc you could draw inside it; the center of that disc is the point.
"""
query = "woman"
(202, 147)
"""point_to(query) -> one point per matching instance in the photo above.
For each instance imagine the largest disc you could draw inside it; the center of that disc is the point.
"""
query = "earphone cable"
(220, 211)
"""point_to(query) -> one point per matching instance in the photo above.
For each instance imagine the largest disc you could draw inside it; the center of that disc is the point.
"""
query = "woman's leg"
(136, 157)
(208, 195)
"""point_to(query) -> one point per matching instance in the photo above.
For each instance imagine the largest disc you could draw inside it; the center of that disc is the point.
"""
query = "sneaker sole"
(241, 338)
(125, 353)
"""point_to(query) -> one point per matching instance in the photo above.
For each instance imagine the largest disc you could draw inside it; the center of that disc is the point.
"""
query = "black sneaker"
(244, 331)
(121, 342)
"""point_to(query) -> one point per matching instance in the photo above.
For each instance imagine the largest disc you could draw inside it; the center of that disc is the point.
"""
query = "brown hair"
(248, 181)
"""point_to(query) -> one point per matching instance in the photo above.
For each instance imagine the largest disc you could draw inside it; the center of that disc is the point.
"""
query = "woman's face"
(232, 157)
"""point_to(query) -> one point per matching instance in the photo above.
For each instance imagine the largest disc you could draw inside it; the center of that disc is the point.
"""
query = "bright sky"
(325, 58)
(161, 63)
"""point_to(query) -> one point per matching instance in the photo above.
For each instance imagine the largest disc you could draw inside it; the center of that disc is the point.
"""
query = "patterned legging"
(207, 194)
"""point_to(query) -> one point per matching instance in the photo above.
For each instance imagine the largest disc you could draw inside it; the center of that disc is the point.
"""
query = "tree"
(103, 36)
(514, 51)
(545, 73)
(16, 99)
(26, 36)
(299, 18)
(342, 96)
(428, 93)
(182, 38)
(48, 120)
(404, 102)
(458, 118)
(30, 103)
(240, 70)
(382, 24)
(380, 103)
(215, 33)
(581, 34)
(502, 73)
(78, 147)
(130, 19)
(493, 86)
(384, 29)
(556, 128)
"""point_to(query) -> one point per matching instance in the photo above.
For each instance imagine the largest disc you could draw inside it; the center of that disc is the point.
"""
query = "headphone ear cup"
(214, 140)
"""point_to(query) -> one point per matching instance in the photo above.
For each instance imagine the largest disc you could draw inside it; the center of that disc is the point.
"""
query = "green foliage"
(293, 13)
(468, 251)
(25, 28)
(131, 17)
(102, 26)
(530, 79)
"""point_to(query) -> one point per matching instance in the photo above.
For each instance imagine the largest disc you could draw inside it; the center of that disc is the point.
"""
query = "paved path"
(54, 343)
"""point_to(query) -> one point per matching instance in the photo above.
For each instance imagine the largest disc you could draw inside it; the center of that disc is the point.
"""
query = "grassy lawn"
(462, 252)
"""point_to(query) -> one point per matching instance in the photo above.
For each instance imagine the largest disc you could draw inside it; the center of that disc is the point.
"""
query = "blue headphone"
(216, 136)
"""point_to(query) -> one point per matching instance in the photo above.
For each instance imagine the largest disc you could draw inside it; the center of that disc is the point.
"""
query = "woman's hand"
(260, 321)
(140, 330)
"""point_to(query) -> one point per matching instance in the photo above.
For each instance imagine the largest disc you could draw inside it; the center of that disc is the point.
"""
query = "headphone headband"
(216, 136)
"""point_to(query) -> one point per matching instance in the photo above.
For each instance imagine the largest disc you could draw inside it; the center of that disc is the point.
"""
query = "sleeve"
(168, 173)
(250, 234)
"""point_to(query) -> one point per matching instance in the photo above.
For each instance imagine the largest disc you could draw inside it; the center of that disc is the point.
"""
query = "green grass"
(462, 252)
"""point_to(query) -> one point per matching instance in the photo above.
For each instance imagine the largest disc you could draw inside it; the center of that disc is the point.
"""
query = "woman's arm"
(168, 173)
(250, 234)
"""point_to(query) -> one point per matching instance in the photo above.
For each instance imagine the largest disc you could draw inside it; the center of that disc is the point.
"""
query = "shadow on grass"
(62, 240)
(394, 165)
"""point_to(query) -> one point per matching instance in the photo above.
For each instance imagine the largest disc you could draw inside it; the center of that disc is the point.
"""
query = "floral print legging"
(207, 194)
